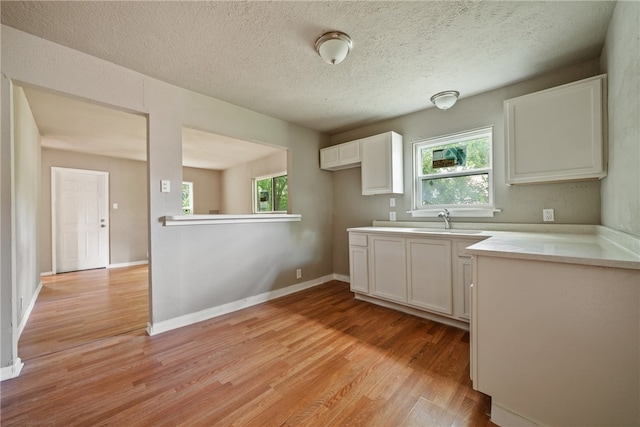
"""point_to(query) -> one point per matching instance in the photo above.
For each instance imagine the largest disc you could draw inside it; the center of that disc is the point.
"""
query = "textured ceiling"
(260, 54)
(72, 125)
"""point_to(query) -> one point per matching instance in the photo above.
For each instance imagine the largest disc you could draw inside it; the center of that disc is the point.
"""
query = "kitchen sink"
(443, 231)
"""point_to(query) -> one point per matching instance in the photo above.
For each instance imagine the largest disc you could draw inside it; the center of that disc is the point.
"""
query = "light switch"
(392, 202)
(115, 206)
(165, 186)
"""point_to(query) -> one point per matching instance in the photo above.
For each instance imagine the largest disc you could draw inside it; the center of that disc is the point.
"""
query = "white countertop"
(587, 248)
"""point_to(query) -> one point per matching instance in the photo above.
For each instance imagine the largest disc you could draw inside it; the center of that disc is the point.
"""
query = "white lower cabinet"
(430, 275)
(358, 263)
(388, 267)
(462, 278)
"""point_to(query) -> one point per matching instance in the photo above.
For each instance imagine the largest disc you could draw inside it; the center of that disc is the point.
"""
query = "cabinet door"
(329, 157)
(429, 274)
(349, 153)
(358, 269)
(462, 287)
(388, 268)
(556, 134)
(382, 164)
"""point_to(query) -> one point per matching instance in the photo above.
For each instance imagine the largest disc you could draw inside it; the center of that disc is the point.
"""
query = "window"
(270, 194)
(454, 172)
(187, 198)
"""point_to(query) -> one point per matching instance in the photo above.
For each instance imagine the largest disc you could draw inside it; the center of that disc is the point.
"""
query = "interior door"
(80, 219)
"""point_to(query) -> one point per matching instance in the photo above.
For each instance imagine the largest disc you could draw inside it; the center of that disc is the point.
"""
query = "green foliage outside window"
(187, 198)
(460, 172)
(272, 194)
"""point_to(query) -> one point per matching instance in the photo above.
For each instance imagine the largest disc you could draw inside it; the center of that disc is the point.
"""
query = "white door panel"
(80, 209)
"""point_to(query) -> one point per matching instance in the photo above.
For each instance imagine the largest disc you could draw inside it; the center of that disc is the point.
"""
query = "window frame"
(475, 210)
(190, 207)
(254, 192)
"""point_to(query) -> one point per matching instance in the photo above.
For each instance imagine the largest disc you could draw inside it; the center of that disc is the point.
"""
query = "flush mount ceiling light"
(333, 47)
(445, 100)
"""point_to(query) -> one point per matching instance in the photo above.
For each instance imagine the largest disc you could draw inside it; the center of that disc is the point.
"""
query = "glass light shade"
(445, 100)
(333, 47)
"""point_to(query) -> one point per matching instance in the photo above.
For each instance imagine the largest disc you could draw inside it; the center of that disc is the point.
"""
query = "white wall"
(26, 200)
(574, 203)
(621, 61)
(192, 268)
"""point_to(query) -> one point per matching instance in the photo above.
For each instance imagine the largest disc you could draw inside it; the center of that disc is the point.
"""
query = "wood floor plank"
(315, 358)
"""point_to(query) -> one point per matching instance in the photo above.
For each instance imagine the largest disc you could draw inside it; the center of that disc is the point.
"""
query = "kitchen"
(612, 202)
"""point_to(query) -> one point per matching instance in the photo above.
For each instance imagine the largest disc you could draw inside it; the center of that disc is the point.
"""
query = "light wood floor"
(84, 306)
(315, 358)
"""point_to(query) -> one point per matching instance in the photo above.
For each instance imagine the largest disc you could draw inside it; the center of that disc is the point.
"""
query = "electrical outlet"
(299, 273)
(547, 215)
(392, 216)
(392, 202)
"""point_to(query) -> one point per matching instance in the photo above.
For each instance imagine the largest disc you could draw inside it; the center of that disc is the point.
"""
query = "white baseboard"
(209, 313)
(504, 417)
(12, 371)
(128, 264)
(46, 273)
(27, 312)
(341, 277)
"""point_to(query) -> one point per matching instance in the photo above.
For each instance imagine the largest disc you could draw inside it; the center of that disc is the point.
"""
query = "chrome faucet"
(445, 215)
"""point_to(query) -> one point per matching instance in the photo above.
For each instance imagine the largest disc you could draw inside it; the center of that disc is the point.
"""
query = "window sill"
(456, 212)
(174, 220)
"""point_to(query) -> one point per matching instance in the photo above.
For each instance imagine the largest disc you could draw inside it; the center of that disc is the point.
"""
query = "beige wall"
(237, 189)
(574, 203)
(207, 189)
(27, 189)
(621, 61)
(128, 225)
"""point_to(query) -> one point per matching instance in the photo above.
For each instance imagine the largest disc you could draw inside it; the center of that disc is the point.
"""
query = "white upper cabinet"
(556, 134)
(382, 164)
(341, 156)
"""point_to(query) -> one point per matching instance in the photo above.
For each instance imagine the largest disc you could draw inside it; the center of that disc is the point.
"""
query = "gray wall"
(192, 268)
(27, 189)
(621, 62)
(207, 189)
(574, 203)
(128, 237)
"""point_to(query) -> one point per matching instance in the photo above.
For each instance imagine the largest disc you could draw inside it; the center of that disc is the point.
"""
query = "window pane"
(280, 193)
(187, 198)
(460, 190)
(456, 157)
(264, 192)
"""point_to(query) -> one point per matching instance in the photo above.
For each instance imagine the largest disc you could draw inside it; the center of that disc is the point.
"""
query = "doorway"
(79, 201)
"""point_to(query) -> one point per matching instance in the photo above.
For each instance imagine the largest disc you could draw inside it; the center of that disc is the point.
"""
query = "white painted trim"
(341, 277)
(27, 312)
(413, 311)
(505, 418)
(209, 313)
(228, 219)
(46, 273)
(128, 264)
(12, 371)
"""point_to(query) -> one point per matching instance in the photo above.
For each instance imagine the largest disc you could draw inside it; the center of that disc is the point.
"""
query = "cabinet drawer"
(357, 239)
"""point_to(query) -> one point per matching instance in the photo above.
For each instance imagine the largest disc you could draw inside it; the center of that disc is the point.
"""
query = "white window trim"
(254, 188)
(471, 211)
